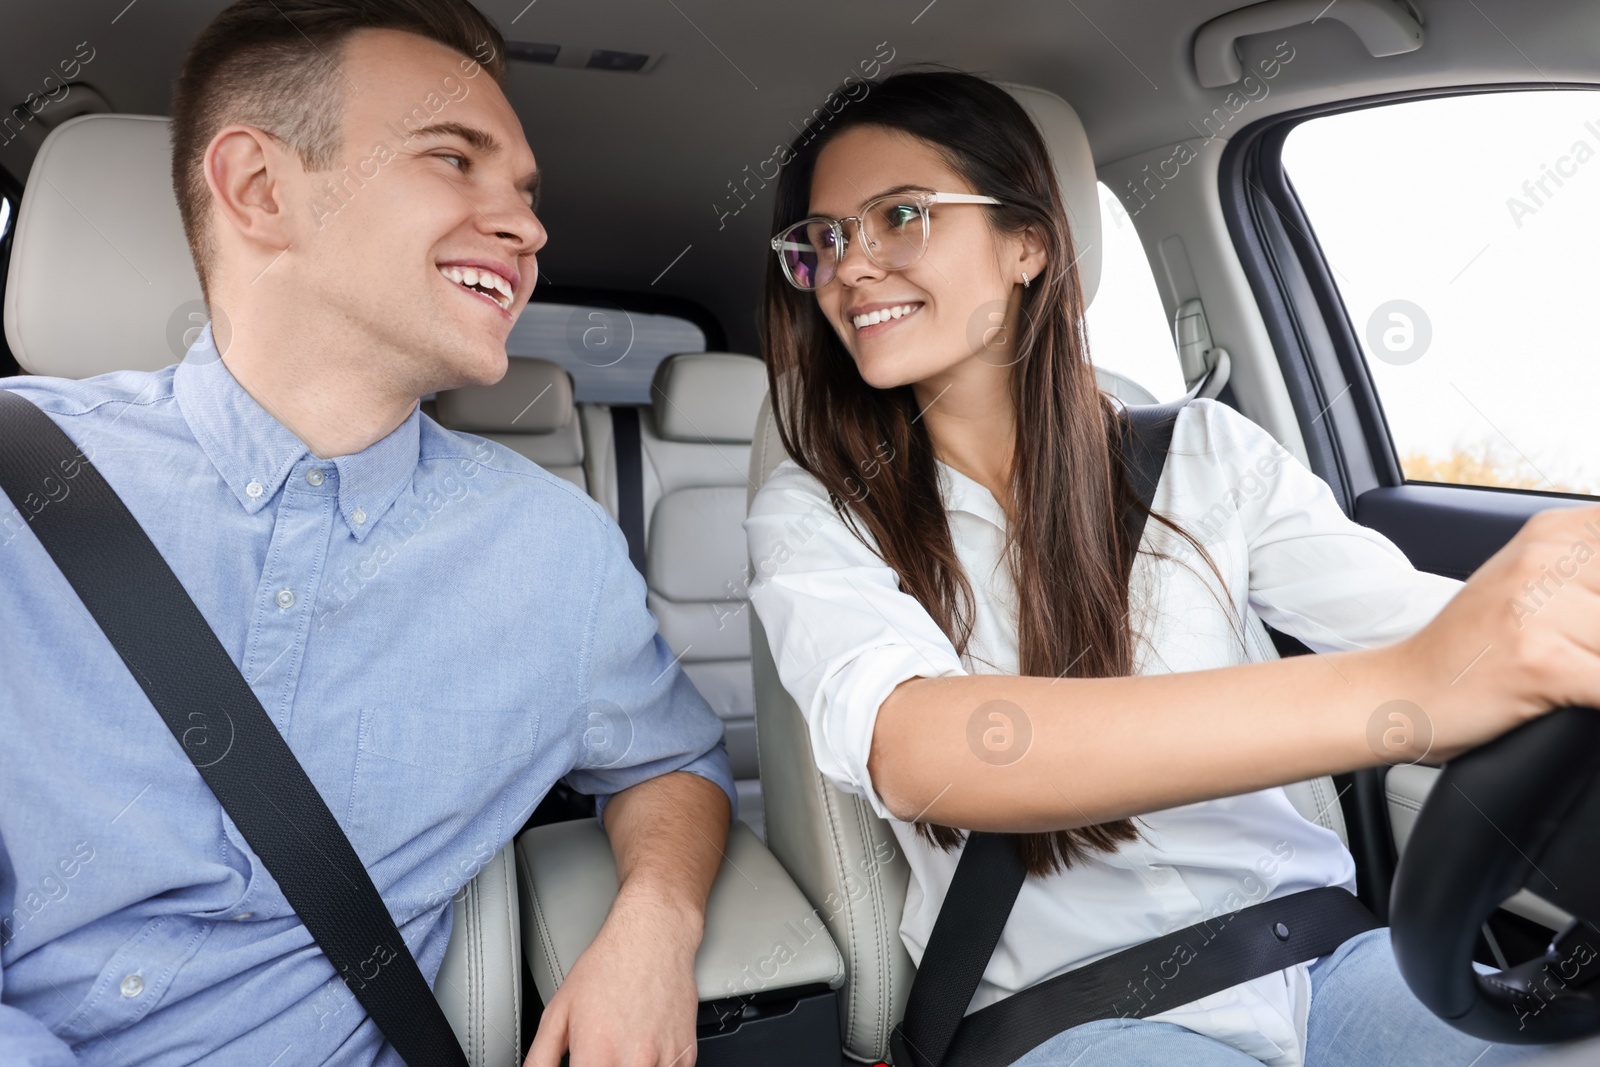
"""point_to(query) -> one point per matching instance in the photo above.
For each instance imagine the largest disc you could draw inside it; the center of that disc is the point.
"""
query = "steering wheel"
(1521, 811)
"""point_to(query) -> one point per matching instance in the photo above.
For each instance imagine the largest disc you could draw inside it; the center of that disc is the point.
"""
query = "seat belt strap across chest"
(154, 626)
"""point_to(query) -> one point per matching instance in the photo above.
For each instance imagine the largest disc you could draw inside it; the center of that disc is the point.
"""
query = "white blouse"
(843, 636)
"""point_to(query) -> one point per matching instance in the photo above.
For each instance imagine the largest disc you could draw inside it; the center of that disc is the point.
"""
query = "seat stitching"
(1319, 789)
(510, 885)
(552, 965)
(475, 975)
(765, 437)
(834, 831)
(880, 928)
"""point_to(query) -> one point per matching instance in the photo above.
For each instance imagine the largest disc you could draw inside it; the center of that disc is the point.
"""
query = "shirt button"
(132, 986)
(243, 915)
(286, 599)
(254, 490)
(359, 516)
(315, 476)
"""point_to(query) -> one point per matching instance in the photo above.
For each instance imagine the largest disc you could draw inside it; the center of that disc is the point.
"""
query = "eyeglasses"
(893, 228)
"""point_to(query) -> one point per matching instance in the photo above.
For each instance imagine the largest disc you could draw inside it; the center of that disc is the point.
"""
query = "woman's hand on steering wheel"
(1520, 638)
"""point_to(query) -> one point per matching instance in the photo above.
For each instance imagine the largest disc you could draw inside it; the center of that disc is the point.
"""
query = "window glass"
(1461, 233)
(611, 354)
(1128, 328)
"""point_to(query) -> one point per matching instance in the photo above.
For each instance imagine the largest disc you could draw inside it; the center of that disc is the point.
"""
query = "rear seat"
(695, 439)
(529, 411)
(695, 444)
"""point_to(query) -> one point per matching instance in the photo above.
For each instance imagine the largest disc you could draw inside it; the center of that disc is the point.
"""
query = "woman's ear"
(1032, 258)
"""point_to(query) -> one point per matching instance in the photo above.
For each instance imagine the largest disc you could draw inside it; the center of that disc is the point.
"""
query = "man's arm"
(635, 983)
(652, 754)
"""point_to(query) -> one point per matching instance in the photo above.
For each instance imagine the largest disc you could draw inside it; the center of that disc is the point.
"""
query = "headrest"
(1069, 148)
(535, 396)
(101, 278)
(708, 396)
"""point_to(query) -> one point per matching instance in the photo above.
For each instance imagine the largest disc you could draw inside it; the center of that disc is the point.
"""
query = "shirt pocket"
(425, 771)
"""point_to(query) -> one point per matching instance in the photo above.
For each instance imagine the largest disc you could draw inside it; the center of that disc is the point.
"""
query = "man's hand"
(631, 999)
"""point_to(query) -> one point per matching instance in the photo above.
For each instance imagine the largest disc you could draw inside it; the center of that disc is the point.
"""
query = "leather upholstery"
(761, 934)
(99, 209)
(479, 985)
(1122, 387)
(831, 841)
(1317, 800)
(707, 396)
(535, 397)
(695, 438)
(1406, 787)
(530, 411)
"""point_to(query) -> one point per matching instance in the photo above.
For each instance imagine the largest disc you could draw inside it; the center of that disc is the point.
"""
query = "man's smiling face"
(422, 252)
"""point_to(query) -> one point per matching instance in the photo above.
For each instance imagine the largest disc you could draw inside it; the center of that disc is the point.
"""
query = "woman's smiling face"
(950, 300)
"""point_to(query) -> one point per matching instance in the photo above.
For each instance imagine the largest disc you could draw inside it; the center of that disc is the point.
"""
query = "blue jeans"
(1362, 1015)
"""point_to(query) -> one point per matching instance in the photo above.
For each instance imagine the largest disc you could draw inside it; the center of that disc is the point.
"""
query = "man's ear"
(245, 170)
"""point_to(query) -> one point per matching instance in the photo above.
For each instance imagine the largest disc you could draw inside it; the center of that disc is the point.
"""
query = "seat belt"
(1144, 980)
(172, 653)
(629, 449)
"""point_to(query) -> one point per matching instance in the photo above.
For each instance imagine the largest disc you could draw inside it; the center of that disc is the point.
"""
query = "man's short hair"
(274, 64)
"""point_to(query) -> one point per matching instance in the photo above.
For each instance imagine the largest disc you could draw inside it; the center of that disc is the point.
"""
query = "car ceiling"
(638, 166)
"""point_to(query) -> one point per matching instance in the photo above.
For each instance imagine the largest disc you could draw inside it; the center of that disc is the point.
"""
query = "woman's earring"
(1024, 279)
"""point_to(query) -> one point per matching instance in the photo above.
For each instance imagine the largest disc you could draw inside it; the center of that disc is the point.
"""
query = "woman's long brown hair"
(1068, 555)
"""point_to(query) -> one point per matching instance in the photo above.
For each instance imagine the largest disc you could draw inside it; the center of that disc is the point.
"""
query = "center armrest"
(761, 933)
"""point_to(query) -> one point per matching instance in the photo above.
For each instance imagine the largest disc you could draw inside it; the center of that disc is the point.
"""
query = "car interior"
(1358, 223)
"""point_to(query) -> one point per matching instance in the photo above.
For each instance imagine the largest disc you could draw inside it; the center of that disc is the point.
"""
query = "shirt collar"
(961, 493)
(255, 453)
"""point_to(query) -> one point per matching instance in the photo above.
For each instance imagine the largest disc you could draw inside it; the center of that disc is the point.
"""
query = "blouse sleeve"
(1314, 573)
(842, 633)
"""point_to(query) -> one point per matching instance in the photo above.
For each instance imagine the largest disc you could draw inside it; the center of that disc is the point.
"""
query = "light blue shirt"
(438, 627)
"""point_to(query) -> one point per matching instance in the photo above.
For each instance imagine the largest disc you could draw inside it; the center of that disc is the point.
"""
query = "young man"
(439, 628)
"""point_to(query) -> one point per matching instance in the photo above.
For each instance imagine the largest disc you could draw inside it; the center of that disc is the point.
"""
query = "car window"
(1460, 232)
(8, 365)
(612, 354)
(1128, 329)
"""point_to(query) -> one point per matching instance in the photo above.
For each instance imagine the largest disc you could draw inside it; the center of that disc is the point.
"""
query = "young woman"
(940, 575)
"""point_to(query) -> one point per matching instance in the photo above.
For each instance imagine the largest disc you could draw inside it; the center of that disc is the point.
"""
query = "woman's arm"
(1107, 748)
(892, 713)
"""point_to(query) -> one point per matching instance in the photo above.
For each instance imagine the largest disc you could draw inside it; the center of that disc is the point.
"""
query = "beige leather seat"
(530, 411)
(824, 835)
(695, 439)
(99, 209)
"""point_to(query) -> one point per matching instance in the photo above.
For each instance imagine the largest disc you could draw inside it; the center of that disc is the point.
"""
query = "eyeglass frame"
(841, 242)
